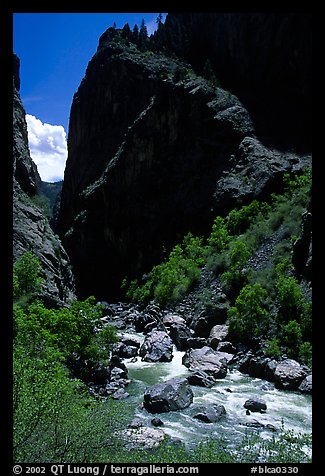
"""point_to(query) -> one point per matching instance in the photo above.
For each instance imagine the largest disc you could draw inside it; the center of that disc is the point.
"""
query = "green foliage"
(26, 276)
(43, 203)
(219, 237)
(285, 447)
(236, 276)
(249, 317)
(306, 353)
(272, 348)
(170, 280)
(292, 337)
(290, 297)
(69, 330)
(239, 220)
(54, 419)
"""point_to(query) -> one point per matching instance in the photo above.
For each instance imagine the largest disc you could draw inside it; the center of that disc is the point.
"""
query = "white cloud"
(48, 148)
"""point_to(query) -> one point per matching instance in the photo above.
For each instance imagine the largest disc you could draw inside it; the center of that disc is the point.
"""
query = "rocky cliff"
(263, 58)
(154, 151)
(31, 230)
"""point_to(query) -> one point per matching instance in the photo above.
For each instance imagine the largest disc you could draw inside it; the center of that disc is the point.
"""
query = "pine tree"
(135, 34)
(159, 19)
(143, 36)
(126, 32)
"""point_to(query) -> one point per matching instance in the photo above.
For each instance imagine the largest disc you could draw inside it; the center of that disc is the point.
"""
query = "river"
(289, 410)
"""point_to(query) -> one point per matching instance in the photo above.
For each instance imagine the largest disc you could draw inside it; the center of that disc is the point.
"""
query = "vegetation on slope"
(55, 417)
(267, 299)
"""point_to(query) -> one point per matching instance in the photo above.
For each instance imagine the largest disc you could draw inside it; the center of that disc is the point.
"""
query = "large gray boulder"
(218, 333)
(211, 413)
(157, 347)
(207, 360)
(289, 374)
(174, 394)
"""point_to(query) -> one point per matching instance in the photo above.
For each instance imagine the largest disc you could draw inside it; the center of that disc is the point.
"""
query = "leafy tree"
(239, 220)
(219, 237)
(272, 348)
(249, 317)
(26, 276)
(170, 280)
(236, 277)
(292, 337)
(290, 297)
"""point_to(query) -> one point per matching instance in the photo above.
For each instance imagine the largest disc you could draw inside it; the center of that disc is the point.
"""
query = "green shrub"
(239, 220)
(290, 297)
(292, 337)
(237, 275)
(69, 330)
(219, 237)
(272, 348)
(306, 353)
(26, 276)
(54, 418)
(170, 280)
(249, 317)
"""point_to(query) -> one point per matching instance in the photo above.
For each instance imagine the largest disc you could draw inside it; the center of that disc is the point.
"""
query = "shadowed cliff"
(154, 151)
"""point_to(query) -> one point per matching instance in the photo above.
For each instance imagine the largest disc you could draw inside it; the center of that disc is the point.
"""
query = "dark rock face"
(264, 58)
(24, 169)
(302, 250)
(142, 168)
(145, 168)
(31, 230)
(174, 394)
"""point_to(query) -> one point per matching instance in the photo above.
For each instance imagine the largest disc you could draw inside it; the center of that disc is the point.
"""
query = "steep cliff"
(263, 58)
(31, 230)
(152, 148)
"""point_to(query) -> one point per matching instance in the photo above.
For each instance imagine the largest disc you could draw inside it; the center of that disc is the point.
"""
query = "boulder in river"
(218, 333)
(201, 379)
(211, 413)
(207, 360)
(289, 374)
(157, 347)
(255, 404)
(174, 394)
(306, 385)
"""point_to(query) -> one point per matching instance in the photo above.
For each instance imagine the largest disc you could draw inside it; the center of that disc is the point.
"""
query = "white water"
(285, 409)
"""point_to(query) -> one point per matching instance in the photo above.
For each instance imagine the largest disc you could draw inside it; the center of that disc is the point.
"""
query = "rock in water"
(289, 374)
(174, 394)
(255, 404)
(157, 347)
(211, 413)
(207, 360)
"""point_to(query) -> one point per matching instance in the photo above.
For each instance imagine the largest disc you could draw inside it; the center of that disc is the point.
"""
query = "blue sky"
(54, 50)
